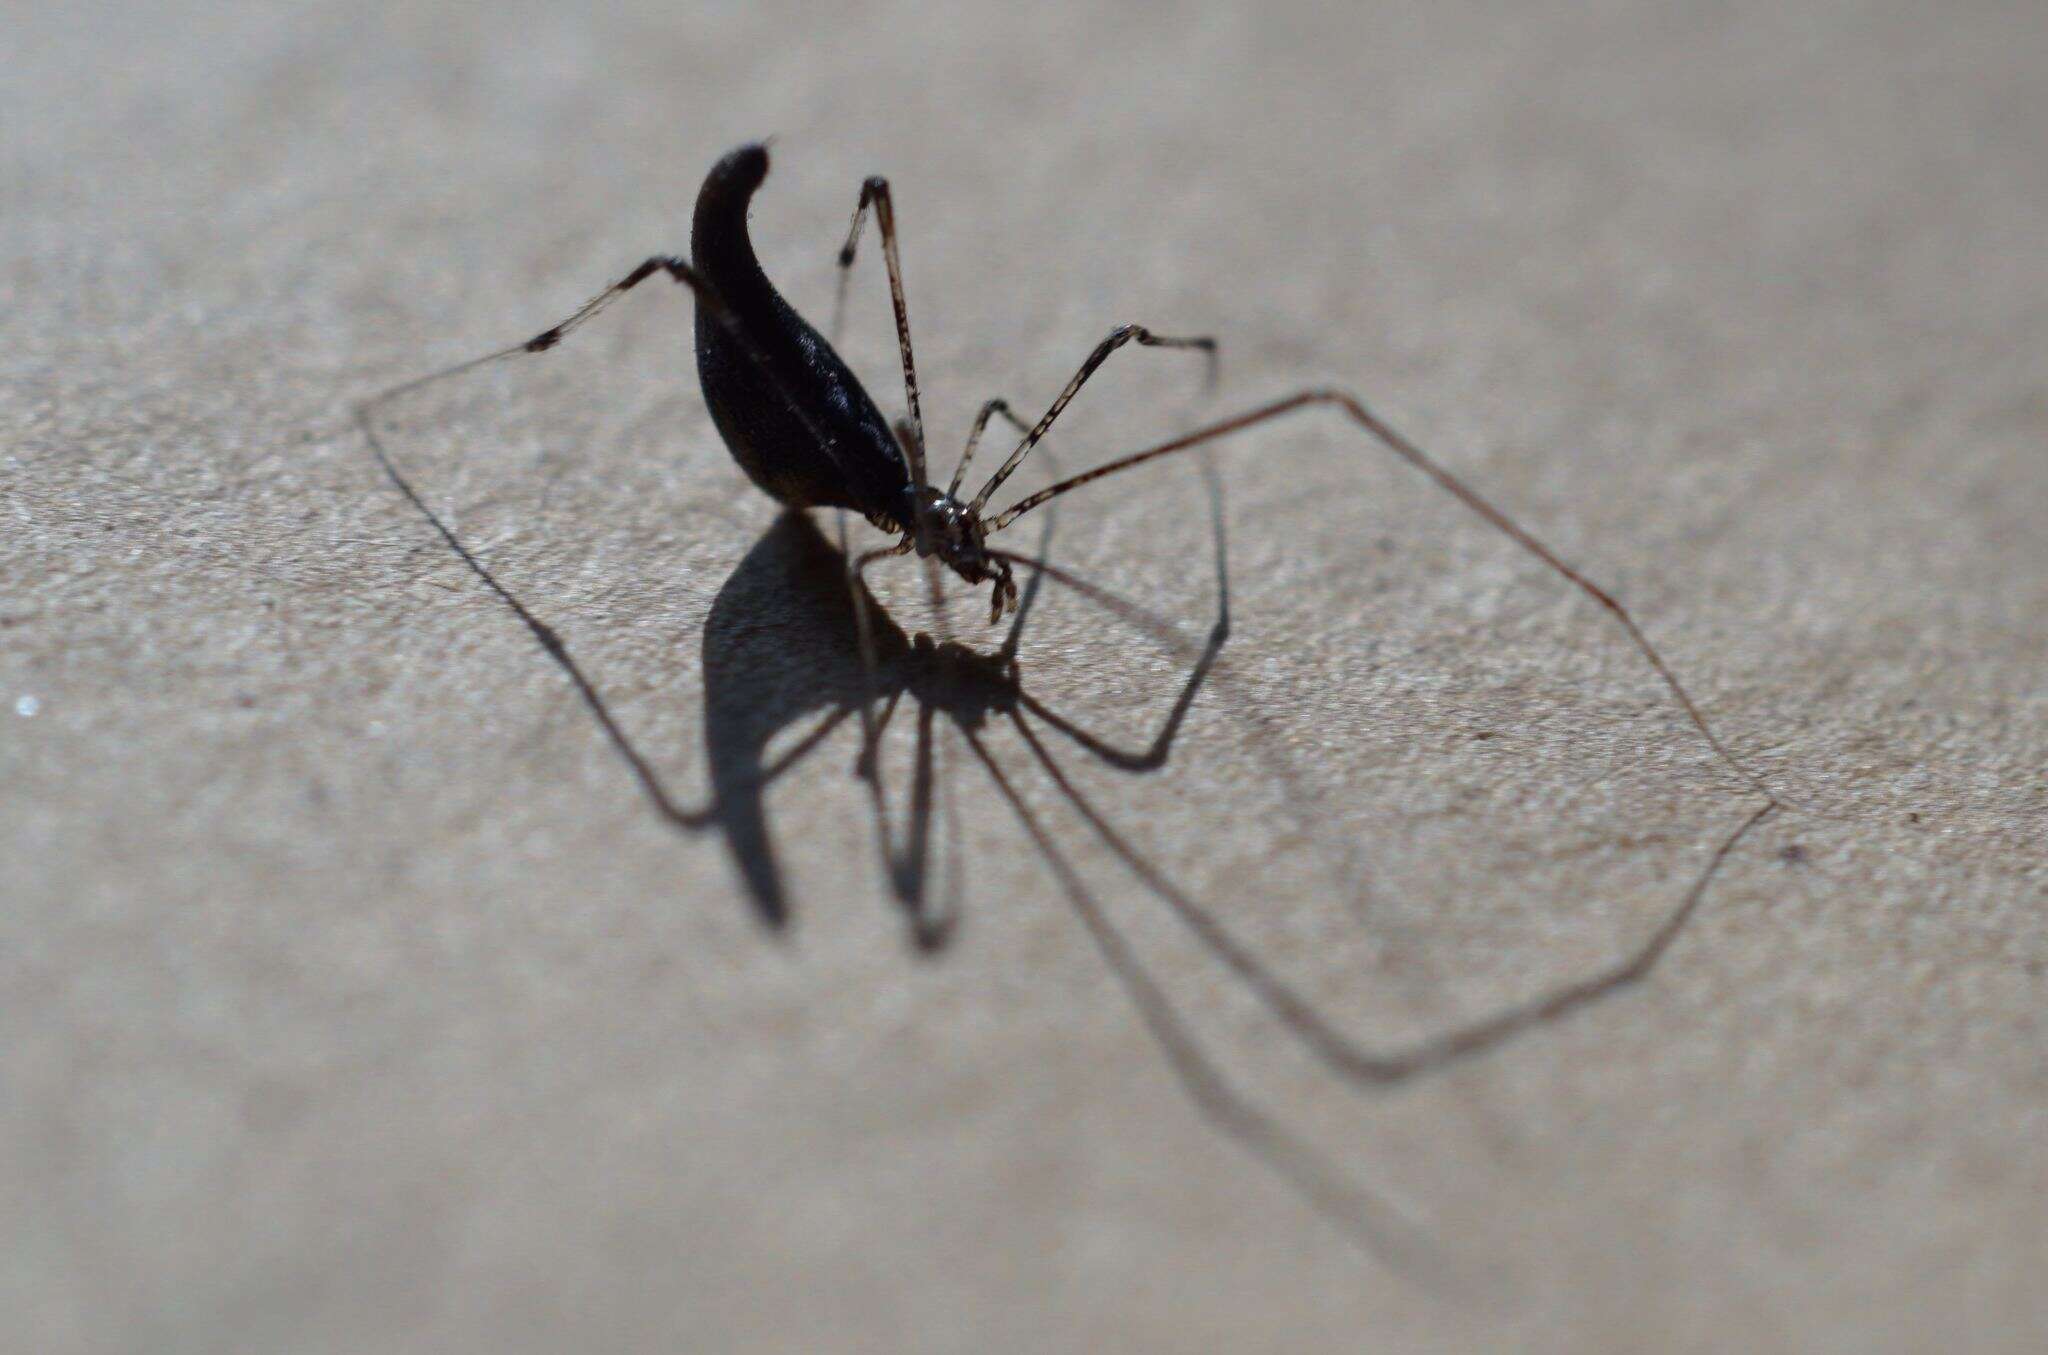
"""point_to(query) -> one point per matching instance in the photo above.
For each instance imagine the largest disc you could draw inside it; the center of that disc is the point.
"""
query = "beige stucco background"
(353, 995)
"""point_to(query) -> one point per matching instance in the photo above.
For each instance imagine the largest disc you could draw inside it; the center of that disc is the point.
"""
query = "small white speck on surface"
(26, 706)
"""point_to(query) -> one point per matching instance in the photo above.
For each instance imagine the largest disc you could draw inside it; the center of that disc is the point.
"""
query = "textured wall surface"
(354, 994)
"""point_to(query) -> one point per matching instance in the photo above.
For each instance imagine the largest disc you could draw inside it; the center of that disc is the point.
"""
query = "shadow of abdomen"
(781, 643)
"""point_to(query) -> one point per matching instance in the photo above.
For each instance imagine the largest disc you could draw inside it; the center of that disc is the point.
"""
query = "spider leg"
(1117, 338)
(934, 579)
(1357, 412)
(875, 193)
(548, 638)
(993, 407)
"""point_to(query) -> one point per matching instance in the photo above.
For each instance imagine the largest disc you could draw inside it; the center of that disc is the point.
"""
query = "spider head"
(953, 532)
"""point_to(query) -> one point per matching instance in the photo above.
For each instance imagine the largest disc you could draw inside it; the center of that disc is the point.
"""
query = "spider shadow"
(782, 642)
(781, 646)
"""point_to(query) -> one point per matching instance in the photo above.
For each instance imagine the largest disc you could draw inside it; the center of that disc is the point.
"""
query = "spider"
(806, 432)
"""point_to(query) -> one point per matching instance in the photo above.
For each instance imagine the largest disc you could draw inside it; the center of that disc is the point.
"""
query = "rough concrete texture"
(355, 996)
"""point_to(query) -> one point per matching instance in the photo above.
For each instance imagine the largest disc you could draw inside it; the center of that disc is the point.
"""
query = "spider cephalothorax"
(954, 533)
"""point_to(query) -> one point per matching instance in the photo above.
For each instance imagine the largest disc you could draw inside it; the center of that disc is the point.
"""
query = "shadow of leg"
(1370, 1220)
(1339, 1051)
(1154, 756)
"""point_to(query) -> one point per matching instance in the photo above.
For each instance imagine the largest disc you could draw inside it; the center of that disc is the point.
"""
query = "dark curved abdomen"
(804, 430)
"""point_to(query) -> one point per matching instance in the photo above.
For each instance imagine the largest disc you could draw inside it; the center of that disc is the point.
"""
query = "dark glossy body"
(805, 431)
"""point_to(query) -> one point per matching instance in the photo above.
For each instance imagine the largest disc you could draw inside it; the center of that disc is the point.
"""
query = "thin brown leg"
(675, 268)
(1407, 451)
(935, 584)
(993, 407)
(875, 193)
(1117, 338)
(544, 634)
